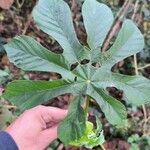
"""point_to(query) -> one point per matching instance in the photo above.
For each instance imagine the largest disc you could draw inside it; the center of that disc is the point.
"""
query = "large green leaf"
(27, 94)
(114, 110)
(129, 41)
(74, 123)
(98, 19)
(29, 55)
(54, 18)
(135, 88)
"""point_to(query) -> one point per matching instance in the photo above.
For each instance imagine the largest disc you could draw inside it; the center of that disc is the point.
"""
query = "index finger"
(51, 113)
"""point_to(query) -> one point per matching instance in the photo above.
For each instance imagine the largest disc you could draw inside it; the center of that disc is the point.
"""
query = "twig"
(27, 24)
(137, 73)
(116, 25)
(135, 9)
(20, 4)
(102, 147)
(145, 119)
(10, 106)
(141, 68)
(135, 64)
(135, 56)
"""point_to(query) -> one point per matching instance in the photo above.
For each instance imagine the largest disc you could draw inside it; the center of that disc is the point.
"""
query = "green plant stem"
(102, 147)
(86, 104)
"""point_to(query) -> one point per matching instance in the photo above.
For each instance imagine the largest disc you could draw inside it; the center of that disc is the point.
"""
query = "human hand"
(36, 128)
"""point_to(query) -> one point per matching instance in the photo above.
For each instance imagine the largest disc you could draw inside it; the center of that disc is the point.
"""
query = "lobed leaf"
(128, 42)
(74, 124)
(114, 110)
(26, 94)
(98, 19)
(29, 55)
(54, 18)
(135, 88)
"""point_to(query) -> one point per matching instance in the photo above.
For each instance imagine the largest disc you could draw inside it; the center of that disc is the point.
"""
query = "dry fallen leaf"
(5, 4)
(5, 60)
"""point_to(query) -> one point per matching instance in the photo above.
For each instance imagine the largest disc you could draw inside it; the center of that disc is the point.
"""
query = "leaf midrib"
(64, 34)
(45, 90)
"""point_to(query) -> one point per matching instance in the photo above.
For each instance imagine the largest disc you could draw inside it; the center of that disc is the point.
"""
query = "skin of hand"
(36, 128)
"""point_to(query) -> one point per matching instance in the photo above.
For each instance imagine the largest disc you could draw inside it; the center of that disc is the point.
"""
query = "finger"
(51, 113)
(49, 135)
(56, 113)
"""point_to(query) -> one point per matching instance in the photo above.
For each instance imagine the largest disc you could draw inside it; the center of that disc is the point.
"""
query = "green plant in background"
(3, 76)
(85, 80)
(131, 140)
(134, 139)
(6, 116)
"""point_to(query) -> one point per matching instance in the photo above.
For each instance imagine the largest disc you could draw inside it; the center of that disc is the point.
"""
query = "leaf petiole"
(86, 104)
